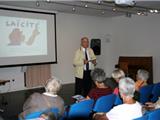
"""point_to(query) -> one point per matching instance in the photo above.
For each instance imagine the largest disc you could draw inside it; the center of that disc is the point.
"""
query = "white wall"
(121, 36)
(136, 36)
(70, 28)
(9, 74)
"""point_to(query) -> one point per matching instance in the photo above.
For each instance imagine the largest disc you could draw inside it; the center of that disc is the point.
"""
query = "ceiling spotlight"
(48, 1)
(74, 9)
(151, 11)
(103, 12)
(99, 1)
(139, 13)
(37, 3)
(156, 11)
(114, 9)
(142, 13)
(86, 6)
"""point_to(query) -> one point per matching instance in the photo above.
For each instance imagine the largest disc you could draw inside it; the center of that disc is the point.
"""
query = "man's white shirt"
(125, 112)
(88, 58)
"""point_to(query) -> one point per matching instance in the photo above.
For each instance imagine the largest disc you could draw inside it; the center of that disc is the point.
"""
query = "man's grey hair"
(98, 75)
(53, 85)
(142, 74)
(127, 87)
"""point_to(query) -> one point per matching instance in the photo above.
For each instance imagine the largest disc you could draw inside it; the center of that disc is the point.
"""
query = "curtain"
(37, 75)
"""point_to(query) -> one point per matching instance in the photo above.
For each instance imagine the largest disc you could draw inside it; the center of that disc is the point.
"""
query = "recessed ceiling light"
(103, 12)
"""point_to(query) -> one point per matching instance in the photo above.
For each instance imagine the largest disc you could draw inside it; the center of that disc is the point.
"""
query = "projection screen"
(27, 37)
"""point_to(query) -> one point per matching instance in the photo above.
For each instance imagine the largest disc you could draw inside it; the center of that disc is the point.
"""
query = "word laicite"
(19, 23)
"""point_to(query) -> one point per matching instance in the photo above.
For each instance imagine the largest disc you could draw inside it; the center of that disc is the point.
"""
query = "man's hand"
(100, 116)
(94, 62)
(86, 61)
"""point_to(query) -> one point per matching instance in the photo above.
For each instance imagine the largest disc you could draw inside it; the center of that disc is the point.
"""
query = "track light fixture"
(107, 5)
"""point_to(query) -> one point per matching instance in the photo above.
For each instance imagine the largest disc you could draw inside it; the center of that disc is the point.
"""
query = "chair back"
(155, 92)
(118, 100)
(145, 93)
(152, 115)
(38, 113)
(155, 115)
(33, 115)
(81, 109)
(104, 103)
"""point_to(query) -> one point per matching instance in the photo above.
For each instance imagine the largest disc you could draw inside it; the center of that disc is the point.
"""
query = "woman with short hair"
(99, 76)
(49, 99)
(117, 75)
(142, 77)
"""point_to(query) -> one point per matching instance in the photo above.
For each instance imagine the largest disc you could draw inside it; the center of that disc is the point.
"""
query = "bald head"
(85, 42)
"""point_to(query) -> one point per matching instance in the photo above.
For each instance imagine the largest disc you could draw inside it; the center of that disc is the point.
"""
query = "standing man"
(84, 62)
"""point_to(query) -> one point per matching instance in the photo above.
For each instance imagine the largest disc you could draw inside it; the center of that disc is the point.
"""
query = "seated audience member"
(129, 110)
(142, 77)
(98, 76)
(117, 75)
(141, 80)
(49, 99)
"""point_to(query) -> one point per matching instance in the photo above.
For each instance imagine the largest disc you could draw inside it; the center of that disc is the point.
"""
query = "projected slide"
(27, 37)
(22, 36)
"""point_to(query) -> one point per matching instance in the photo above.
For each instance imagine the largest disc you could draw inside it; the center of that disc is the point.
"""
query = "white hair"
(127, 87)
(98, 75)
(142, 74)
(118, 74)
(53, 85)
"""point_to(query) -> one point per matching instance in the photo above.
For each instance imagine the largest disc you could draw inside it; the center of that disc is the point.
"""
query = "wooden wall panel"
(130, 65)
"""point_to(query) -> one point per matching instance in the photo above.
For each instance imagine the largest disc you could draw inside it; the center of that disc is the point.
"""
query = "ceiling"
(106, 8)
